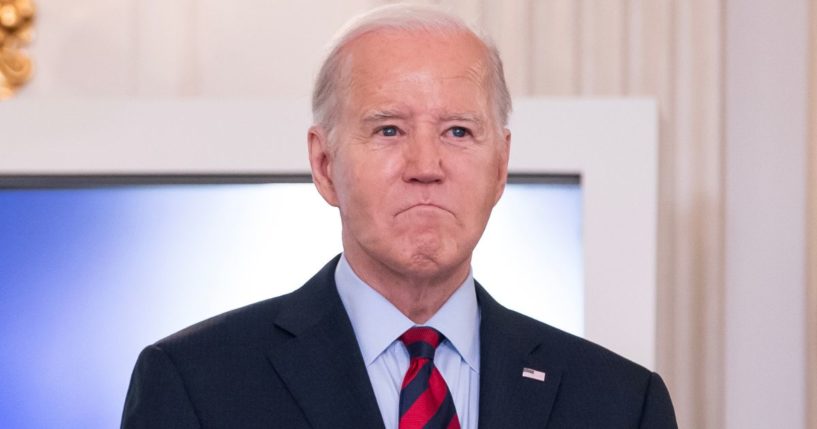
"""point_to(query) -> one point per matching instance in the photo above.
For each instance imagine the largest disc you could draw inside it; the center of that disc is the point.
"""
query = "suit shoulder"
(594, 379)
(552, 344)
(244, 325)
(575, 352)
(260, 325)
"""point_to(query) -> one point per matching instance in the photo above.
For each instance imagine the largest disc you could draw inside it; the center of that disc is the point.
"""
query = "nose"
(424, 159)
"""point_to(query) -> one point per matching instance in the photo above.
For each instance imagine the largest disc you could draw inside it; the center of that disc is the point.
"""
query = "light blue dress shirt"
(378, 324)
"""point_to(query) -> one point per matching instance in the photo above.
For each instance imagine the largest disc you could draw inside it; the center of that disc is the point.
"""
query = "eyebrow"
(381, 115)
(467, 117)
(389, 114)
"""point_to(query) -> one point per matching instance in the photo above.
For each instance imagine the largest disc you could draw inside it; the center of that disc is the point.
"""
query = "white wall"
(766, 136)
(246, 48)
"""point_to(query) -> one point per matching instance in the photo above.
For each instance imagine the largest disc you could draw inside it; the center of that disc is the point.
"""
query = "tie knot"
(422, 341)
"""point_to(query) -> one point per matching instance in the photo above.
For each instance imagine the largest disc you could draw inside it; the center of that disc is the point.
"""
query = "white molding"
(610, 143)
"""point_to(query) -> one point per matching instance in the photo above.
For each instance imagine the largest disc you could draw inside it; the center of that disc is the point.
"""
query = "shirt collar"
(378, 323)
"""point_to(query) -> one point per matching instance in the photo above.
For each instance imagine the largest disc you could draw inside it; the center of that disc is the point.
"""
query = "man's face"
(417, 159)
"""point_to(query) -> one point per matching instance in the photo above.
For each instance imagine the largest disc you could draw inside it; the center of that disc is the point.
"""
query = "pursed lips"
(424, 205)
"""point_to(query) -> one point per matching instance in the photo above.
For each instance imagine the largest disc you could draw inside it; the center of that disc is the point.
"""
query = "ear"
(504, 156)
(320, 161)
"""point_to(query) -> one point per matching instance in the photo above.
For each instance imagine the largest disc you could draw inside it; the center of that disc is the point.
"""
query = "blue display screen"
(90, 276)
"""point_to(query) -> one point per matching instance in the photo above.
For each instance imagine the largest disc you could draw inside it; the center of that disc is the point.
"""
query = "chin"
(430, 257)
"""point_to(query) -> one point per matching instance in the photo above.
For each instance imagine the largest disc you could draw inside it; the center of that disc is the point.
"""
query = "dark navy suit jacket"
(293, 362)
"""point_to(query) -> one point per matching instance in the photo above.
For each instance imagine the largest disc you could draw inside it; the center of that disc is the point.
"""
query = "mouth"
(424, 206)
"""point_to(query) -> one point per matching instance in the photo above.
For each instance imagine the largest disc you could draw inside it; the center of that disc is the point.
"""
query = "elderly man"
(410, 144)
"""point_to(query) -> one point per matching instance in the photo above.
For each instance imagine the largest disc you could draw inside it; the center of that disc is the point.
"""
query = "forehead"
(417, 47)
(417, 66)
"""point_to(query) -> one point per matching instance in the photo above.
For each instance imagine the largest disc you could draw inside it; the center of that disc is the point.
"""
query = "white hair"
(401, 17)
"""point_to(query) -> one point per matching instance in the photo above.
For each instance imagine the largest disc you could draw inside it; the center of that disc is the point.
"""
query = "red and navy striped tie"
(425, 401)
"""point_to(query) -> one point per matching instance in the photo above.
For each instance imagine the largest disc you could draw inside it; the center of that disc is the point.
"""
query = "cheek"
(483, 182)
(480, 170)
(374, 169)
(362, 191)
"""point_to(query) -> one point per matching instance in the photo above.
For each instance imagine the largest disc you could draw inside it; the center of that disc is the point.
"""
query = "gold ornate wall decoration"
(16, 32)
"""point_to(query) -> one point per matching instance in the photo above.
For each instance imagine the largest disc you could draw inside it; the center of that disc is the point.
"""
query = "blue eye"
(389, 131)
(459, 132)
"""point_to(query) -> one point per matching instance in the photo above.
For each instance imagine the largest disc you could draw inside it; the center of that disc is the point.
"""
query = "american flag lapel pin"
(533, 374)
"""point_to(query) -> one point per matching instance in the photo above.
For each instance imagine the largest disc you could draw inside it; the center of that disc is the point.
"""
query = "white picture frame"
(611, 144)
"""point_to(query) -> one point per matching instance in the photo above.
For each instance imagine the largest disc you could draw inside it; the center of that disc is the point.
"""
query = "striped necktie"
(425, 401)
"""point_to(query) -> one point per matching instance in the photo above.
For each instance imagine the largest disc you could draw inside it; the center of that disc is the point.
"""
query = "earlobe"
(320, 162)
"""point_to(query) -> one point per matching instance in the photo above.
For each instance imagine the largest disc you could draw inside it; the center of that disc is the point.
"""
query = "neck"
(417, 295)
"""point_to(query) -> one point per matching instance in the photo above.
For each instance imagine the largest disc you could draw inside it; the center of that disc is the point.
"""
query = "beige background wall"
(766, 126)
(731, 81)
(811, 308)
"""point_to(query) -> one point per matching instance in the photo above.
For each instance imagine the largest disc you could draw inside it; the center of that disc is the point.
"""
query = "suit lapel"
(506, 398)
(321, 364)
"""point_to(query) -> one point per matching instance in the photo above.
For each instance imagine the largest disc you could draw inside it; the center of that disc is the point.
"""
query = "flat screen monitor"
(92, 273)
